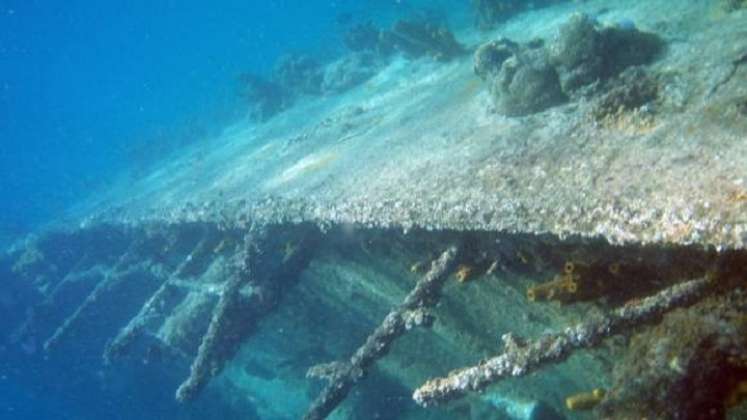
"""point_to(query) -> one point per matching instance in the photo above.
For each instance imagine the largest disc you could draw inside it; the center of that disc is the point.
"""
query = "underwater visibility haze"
(373, 209)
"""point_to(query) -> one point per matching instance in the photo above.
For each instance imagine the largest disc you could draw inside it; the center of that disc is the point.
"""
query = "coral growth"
(362, 37)
(488, 13)
(520, 358)
(526, 79)
(296, 75)
(741, 107)
(299, 73)
(737, 395)
(349, 71)
(464, 273)
(561, 288)
(583, 52)
(737, 197)
(615, 278)
(690, 366)
(413, 38)
(265, 98)
(633, 91)
(490, 56)
(585, 400)
(418, 267)
(576, 282)
(520, 78)
(578, 52)
(419, 39)
(732, 5)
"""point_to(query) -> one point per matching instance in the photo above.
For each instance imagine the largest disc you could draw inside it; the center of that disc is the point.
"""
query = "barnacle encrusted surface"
(424, 149)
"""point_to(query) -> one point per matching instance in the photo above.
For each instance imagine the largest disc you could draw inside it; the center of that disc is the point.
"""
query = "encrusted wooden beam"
(521, 358)
(128, 262)
(343, 376)
(127, 335)
(228, 325)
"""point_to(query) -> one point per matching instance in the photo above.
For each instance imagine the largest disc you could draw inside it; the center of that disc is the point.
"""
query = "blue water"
(89, 89)
(92, 91)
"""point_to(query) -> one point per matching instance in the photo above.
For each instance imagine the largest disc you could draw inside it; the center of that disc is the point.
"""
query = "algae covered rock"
(632, 90)
(417, 39)
(625, 46)
(488, 13)
(741, 107)
(349, 71)
(578, 52)
(299, 73)
(264, 97)
(362, 37)
(525, 79)
(526, 84)
(733, 5)
(489, 57)
(583, 52)
(520, 78)
(414, 38)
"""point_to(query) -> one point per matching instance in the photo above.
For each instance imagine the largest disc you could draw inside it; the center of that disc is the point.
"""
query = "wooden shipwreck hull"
(393, 233)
